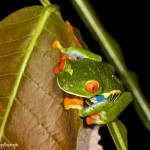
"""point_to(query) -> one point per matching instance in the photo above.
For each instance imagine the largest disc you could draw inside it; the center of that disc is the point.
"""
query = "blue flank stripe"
(99, 99)
(75, 54)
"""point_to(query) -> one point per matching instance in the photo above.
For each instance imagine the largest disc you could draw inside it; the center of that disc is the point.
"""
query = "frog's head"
(78, 78)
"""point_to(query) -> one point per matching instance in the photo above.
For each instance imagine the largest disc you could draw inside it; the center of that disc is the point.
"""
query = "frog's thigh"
(119, 105)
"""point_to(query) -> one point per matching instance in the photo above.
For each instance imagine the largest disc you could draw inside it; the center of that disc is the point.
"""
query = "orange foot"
(92, 118)
(76, 103)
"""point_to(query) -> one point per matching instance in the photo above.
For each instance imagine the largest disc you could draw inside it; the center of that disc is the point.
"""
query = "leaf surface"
(31, 104)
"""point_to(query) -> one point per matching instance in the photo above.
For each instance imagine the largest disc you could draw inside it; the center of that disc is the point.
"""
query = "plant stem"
(45, 2)
(117, 137)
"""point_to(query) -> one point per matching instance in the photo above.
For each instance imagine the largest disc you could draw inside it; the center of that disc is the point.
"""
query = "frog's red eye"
(60, 66)
(92, 86)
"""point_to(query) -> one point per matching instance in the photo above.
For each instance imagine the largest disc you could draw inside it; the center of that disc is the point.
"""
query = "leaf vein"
(36, 117)
(15, 40)
(49, 93)
(10, 54)
(19, 22)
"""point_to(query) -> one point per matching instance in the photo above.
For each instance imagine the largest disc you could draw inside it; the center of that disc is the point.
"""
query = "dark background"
(129, 24)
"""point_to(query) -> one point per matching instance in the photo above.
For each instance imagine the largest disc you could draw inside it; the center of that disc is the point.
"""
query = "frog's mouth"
(89, 97)
(72, 93)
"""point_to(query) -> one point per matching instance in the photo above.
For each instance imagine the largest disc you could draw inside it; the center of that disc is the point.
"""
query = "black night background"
(128, 23)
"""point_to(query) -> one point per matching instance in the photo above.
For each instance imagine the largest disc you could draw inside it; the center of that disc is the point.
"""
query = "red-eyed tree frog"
(82, 73)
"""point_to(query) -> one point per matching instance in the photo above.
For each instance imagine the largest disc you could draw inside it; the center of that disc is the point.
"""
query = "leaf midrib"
(43, 17)
(119, 136)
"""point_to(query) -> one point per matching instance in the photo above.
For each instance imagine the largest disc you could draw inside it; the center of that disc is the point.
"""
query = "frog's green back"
(77, 73)
(108, 77)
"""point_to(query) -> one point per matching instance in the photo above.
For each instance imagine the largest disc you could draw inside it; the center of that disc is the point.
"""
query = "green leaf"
(31, 104)
(119, 134)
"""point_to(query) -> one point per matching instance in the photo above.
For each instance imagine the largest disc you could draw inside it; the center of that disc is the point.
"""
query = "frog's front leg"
(95, 105)
(103, 111)
(92, 110)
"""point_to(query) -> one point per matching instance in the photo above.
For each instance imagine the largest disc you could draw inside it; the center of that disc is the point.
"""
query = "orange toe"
(72, 101)
(92, 118)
